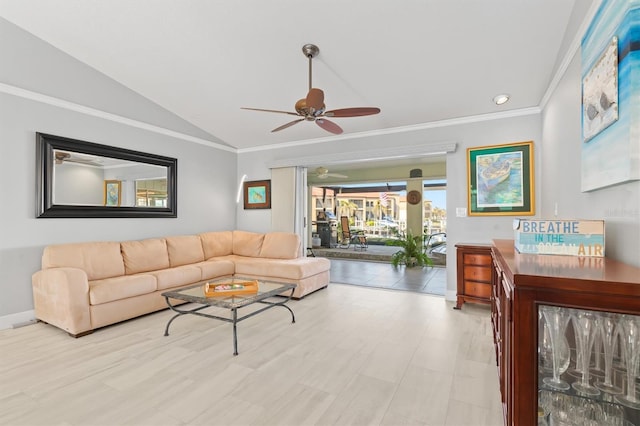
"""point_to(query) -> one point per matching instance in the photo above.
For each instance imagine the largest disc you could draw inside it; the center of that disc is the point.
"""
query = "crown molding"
(573, 49)
(403, 129)
(72, 106)
(351, 157)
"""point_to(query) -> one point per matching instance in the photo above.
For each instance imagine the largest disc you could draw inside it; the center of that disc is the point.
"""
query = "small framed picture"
(112, 192)
(500, 179)
(257, 194)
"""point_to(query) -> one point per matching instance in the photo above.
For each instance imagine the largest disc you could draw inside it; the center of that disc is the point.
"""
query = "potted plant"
(412, 253)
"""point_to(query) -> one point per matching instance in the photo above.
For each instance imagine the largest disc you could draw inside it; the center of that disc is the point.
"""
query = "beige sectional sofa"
(84, 286)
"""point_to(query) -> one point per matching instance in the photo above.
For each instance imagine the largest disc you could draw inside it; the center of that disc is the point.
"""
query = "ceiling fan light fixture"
(312, 107)
(501, 99)
(323, 173)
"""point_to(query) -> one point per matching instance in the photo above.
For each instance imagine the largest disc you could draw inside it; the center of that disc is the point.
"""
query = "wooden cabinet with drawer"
(474, 268)
(526, 285)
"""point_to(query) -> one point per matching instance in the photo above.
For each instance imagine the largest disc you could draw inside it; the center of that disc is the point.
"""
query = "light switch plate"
(461, 212)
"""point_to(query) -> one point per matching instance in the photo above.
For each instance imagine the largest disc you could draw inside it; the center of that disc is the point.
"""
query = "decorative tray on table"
(231, 288)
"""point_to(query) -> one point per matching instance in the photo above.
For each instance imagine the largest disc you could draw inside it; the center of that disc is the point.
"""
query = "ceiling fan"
(62, 157)
(323, 173)
(312, 107)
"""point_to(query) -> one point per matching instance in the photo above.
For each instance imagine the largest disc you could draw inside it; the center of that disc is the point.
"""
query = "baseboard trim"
(17, 320)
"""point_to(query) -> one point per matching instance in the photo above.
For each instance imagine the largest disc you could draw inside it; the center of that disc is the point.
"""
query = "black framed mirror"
(84, 179)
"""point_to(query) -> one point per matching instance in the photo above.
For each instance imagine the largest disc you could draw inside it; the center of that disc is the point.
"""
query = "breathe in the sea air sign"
(567, 237)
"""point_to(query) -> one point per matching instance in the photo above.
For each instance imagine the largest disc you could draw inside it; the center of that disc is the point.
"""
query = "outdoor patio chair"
(345, 236)
(348, 238)
(359, 242)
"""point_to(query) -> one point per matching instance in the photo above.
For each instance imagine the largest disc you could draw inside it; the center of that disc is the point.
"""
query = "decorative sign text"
(563, 237)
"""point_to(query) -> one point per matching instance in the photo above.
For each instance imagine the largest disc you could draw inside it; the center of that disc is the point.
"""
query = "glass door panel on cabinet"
(588, 367)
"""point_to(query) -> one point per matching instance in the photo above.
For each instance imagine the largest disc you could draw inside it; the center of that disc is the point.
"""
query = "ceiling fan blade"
(337, 175)
(289, 124)
(270, 110)
(315, 99)
(352, 112)
(329, 126)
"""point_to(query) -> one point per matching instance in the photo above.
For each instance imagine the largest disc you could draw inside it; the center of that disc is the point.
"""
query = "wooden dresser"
(473, 262)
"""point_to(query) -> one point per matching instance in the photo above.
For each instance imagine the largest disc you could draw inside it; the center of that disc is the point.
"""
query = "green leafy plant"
(412, 253)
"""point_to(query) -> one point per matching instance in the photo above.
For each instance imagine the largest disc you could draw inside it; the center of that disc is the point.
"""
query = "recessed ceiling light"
(501, 99)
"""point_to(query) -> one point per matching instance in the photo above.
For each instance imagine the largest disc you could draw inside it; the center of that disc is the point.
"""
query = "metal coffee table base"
(234, 315)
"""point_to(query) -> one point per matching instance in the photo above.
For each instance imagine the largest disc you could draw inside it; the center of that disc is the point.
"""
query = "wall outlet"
(461, 212)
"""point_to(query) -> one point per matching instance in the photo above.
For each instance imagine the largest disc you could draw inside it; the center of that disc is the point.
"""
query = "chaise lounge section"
(85, 286)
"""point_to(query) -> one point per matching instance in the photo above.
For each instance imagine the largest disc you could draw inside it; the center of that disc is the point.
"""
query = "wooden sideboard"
(473, 263)
(524, 282)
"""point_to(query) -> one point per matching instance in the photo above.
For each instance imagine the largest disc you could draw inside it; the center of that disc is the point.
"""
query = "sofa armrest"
(61, 298)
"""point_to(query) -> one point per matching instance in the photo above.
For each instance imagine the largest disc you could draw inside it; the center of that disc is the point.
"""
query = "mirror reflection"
(83, 179)
(92, 180)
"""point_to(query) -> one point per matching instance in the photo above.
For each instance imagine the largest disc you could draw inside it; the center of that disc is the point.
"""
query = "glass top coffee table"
(264, 294)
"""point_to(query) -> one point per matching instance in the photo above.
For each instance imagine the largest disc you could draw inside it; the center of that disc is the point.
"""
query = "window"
(151, 193)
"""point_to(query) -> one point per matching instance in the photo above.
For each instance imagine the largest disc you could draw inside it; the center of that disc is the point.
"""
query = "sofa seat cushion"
(216, 268)
(111, 289)
(294, 269)
(176, 277)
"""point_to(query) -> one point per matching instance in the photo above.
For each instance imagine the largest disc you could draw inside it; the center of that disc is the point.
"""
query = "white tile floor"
(432, 280)
(355, 356)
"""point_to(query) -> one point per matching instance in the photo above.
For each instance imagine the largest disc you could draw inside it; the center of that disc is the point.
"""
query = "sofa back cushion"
(247, 243)
(217, 243)
(145, 255)
(184, 250)
(280, 245)
(99, 260)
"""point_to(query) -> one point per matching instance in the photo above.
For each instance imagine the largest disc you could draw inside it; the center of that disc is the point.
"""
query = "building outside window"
(383, 214)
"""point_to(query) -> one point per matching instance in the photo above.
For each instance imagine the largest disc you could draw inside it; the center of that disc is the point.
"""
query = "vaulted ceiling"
(420, 61)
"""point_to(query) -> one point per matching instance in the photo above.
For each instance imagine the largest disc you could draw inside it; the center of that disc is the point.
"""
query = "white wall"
(557, 144)
(208, 177)
(466, 229)
(77, 184)
(206, 174)
(31, 64)
(619, 205)
(283, 205)
(205, 185)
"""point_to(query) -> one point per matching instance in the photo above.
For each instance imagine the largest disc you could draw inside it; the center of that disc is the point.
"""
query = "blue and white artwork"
(600, 93)
(610, 126)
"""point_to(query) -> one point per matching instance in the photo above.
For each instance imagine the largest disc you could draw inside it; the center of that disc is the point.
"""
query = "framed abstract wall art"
(500, 179)
(610, 153)
(600, 93)
(112, 193)
(257, 194)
